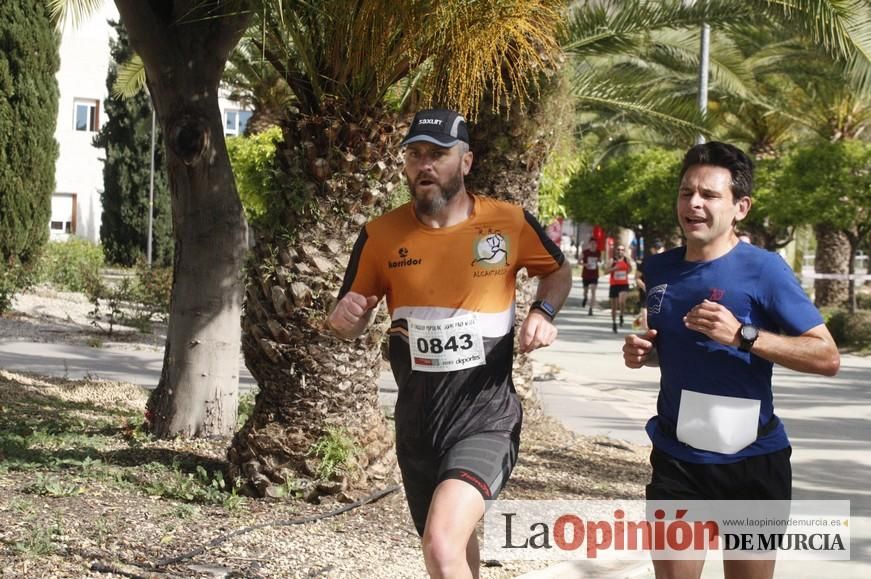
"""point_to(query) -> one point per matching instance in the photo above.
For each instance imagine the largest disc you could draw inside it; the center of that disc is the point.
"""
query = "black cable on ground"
(302, 520)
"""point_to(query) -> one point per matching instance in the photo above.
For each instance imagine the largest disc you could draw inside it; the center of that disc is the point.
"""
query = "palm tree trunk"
(339, 174)
(832, 257)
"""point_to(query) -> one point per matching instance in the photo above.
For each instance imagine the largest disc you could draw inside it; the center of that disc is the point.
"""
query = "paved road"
(589, 389)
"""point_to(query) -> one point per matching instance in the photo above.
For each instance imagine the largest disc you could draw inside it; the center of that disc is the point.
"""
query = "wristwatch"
(748, 334)
(545, 307)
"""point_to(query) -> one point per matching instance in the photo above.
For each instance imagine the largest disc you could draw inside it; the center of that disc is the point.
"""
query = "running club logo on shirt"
(490, 254)
(404, 260)
(654, 298)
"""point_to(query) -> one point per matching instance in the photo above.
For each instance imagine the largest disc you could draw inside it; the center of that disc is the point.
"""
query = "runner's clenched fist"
(351, 314)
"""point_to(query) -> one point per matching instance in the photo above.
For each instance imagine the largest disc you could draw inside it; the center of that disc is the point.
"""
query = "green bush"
(253, 160)
(850, 330)
(133, 302)
(154, 288)
(72, 265)
(13, 278)
(126, 140)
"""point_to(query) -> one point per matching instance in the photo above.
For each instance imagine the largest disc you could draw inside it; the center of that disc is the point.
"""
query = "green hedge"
(850, 330)
(71, 265)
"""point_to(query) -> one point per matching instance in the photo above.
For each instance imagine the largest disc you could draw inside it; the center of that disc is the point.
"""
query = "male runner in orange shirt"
(447, 263)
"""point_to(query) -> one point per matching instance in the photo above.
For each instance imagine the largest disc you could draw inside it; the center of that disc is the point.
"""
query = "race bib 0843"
(445, 345)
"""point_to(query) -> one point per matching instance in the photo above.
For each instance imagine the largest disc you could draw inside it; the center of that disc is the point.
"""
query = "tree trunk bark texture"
(198, 389)
(510, 151)
(832, 256)
(339, 175)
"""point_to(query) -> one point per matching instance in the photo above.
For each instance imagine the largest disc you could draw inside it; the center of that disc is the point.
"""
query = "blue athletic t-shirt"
(758, 287)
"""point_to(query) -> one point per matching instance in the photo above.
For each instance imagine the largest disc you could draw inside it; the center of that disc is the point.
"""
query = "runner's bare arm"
(554, 287)
(538, 330)
(351, 315)
(814, 352)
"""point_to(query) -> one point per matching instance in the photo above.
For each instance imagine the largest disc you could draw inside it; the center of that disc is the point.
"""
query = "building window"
(63, 215)
(87, 115)
(235, 121)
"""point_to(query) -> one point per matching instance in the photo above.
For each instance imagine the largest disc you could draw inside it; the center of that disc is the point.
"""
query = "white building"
(84, 63)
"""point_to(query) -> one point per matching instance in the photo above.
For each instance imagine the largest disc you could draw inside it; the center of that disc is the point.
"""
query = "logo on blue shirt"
(655, 297)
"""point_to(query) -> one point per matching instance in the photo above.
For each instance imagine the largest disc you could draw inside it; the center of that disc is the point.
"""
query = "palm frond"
(73, 12)
(729, 71)
(842, 27)
(663, 112)
(828, 22)
(498, 48)
(616, 26)
(130, 79)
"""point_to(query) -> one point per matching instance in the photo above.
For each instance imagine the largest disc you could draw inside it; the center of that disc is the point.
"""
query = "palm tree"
(340, 162)
(254, 82)
(635, 64)
(835, 112)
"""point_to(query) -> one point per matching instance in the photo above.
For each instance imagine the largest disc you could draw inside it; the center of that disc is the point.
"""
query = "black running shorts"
(763, 477)
(616, 290)
(483, 460)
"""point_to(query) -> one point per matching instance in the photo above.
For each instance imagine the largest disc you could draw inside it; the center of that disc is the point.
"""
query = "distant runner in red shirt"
(619, 284)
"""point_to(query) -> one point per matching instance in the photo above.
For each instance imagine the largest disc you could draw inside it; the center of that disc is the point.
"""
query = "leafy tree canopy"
(829, 184)
(638, 188)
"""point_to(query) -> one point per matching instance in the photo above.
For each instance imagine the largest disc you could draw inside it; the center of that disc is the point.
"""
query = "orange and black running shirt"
(450, 294)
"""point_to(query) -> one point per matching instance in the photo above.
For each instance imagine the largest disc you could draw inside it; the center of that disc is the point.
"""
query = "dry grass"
(82, 486)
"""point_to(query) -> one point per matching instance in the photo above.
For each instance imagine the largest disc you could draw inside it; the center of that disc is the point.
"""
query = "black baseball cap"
(441, 127)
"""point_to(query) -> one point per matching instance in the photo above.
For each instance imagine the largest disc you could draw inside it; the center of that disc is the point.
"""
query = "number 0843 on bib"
(445, 345)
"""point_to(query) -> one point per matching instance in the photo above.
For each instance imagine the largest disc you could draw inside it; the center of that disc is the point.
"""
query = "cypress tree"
(29, 61)
(126, 136)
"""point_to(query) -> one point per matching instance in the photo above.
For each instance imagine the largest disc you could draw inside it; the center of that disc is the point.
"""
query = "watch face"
(749, 333)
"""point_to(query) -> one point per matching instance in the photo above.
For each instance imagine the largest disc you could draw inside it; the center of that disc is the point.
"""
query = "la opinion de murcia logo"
(404, 260)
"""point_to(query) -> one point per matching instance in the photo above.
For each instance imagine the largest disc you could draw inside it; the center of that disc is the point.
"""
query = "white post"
(704, 58)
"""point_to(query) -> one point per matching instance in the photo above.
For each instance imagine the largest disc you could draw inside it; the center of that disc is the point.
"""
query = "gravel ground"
(121, 527)
(48, 315)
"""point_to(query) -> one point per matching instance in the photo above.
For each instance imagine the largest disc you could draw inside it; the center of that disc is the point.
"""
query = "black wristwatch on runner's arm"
(748, 334)
(543, 306)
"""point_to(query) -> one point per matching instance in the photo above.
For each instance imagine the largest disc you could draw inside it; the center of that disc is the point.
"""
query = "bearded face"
(434, 175)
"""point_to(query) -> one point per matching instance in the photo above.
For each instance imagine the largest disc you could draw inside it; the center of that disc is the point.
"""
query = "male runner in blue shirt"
(721, 313)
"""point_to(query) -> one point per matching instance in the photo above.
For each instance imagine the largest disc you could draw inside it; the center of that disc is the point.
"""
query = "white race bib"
(724, 424)
(445, 345)
(620, 274)
(592, 262)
